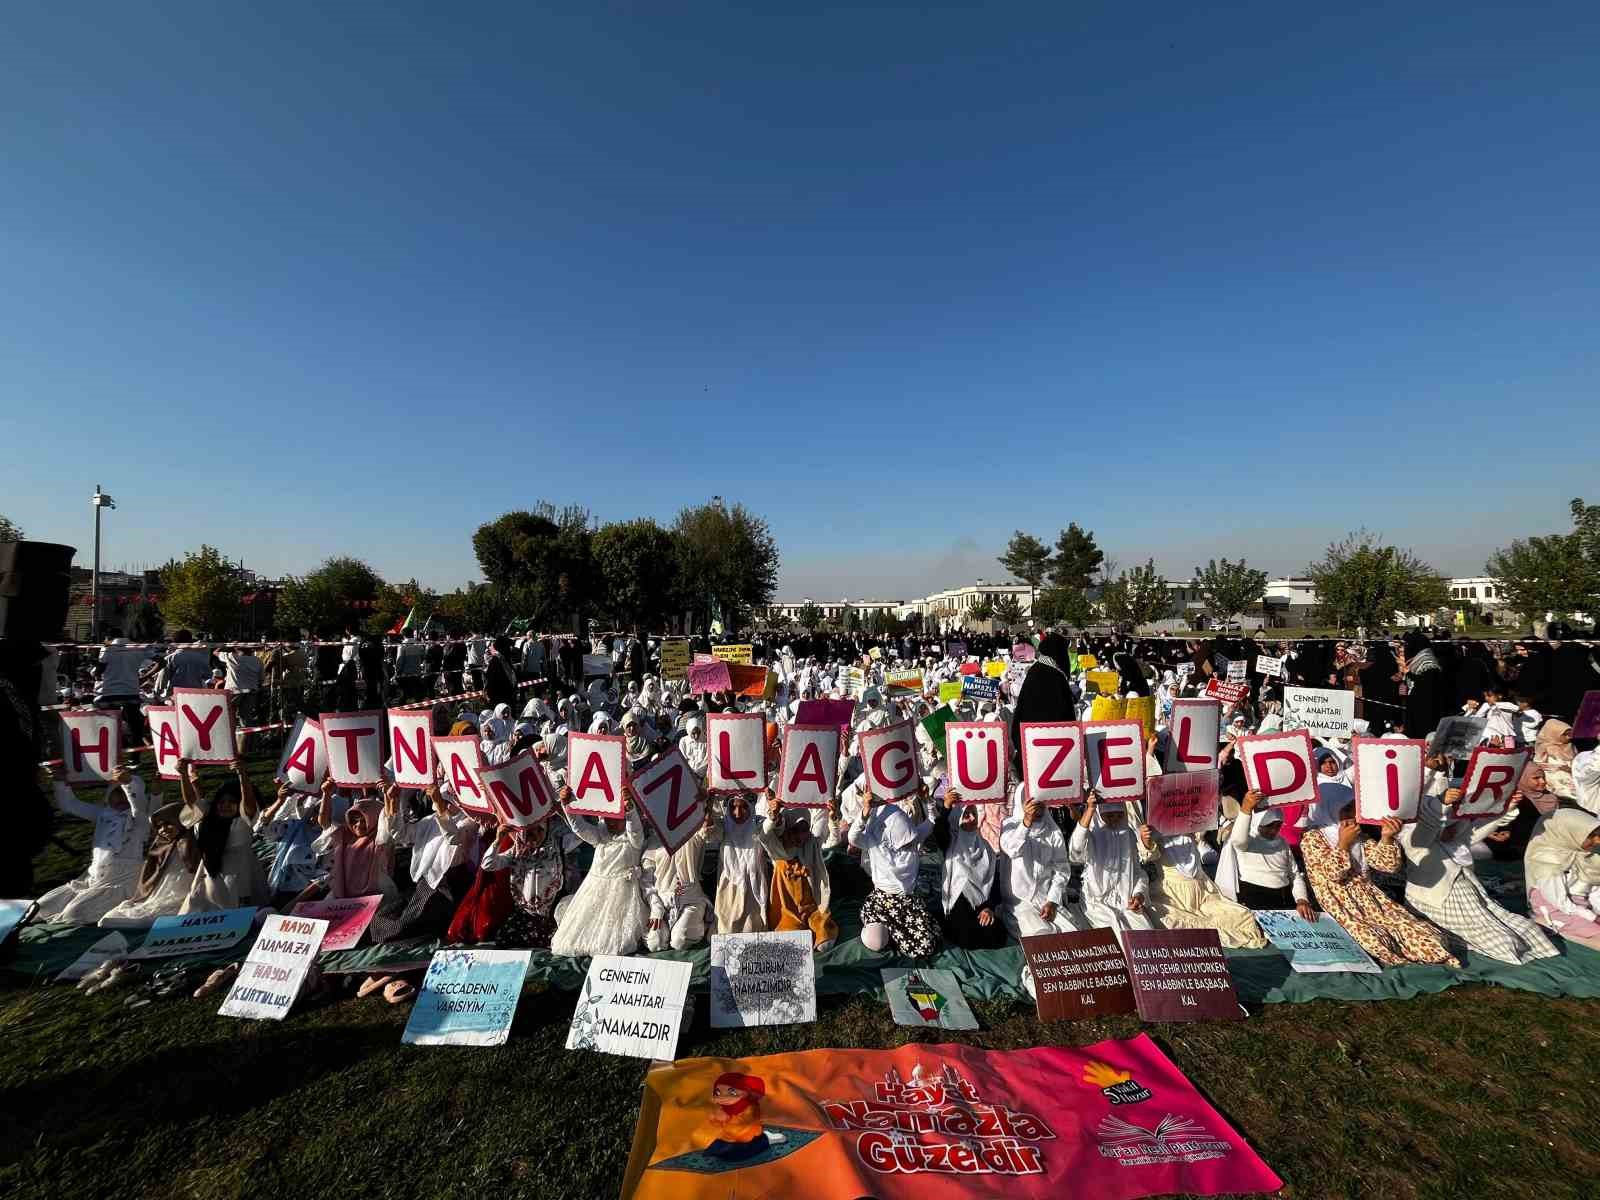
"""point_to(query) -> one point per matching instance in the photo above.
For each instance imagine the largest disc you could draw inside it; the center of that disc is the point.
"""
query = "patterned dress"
(1385, 930)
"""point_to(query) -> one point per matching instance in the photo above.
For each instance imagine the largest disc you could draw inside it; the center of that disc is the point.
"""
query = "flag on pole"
(402, 626)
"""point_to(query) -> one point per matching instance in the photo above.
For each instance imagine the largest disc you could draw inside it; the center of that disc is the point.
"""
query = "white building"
(834, 610)
(951, 608)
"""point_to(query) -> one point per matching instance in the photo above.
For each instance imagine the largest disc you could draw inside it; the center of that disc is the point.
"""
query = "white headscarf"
(969, 865)
(1332, 799)
(695, 753)
(1113, 866)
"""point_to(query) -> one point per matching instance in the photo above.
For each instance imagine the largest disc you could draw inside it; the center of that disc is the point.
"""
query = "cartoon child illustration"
(736, 1118)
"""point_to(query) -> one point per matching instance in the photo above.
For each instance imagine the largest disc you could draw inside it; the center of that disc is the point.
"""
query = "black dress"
(960, 924)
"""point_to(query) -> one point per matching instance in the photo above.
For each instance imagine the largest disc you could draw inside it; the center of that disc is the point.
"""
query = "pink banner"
(709, 676)
(347, 919)
(826, 712)
(1116, 1120)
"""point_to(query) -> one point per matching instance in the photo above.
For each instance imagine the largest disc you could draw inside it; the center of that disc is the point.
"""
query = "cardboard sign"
(205, 725)
(1587, 723)
(977, 688)
(1229, 693)
(1113, 759)
(12, 914)
(978, 755)
(746, 681)
(1279, 766)
(889, 760)
(734, 654)
(927, 999)
(1023, 652)
(195, 933)
(1183, 803)
(994, 669)
(459, 759)
(596, 664)
(675, 659)
(836, 713)
(1387, 774)
(762, 979)
(91, 742)
(518, 790)
(853, 682)
(809, 770)
(346, 919)
(411, 747)
(1457, 737)
(1314, 947)
(1270, 667)
(163, 721)
(736, 746)
(355, 747)
(949, 691)
(597, 767)
(709, 677)
(1326, 712)
(1105, 682)
(934, 723)
(1185, 669)
(1492, 776)
(113, 945)
(1181, 975)
(955, 649)
(1087, 662)
(1078, 974)
(1107, 708)
(903, 683)
(272, 974)
(1193, 735)
(669, 797)
(631, 1006)
(304, 762)
(1052, 761)
(1238, 671)
(468, 998)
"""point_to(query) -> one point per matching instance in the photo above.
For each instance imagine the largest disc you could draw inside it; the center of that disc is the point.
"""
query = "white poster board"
(1279, 766)
(1271, 667)
(1052, 762)
(272, 974)
(91, 743)
(163, 722)
(1387, 775)
(355, 747)
(411, 747)
(737, 742)
(468, 998)
(669, 796)
(459, 759)
(304, 762)
(889, 760)
(597, 765)
(762, 979)
(977, 754)
(1314, 947)
(631, 1006)
(808, 772)
(1325, 712)
(1194, 734)
(1238, 670)
(1113, 759)
(1492, 776)
(205, 725)
(518, 790)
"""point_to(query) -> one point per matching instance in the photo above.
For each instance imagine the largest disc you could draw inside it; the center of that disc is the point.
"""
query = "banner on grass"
(205, 725)
(1491, 778)
(1326, 712)
(631, 1006)
(411, 747)
(809, 769)
(927, 999)
(1115, 1120)
(1314, 947)
(347, 919)
(459, 759)
(889, 759)
(355, 747)
(12, 913)
(1387, 773)
(1185, 803)
(273, 972)
(163, 721)
(91, 743)
(113, 945)
(762, 979)
(304, 763)
(977, 754)
(737, 745)
(1279, 766)
(1078, 974)
(468, 998)
(1193, 735)
(1180, 975)
(196, 933)
(669, 796)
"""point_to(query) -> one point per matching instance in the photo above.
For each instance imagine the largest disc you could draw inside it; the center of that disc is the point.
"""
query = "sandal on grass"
(216, 981)
(398, 992)
(373, 983)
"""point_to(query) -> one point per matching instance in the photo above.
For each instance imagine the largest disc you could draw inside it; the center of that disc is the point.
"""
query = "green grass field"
(1474, 1092)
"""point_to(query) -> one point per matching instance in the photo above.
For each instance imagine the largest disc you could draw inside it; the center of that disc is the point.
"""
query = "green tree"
(982, 608)
(10, 531)
(541, 561)
(809, 616)
(636, 563)
(1362, 583)
(1028, 559)
(1557, 573)
(1137, 597)
(1008, 610)
(851, 620)
(341, 594)
(397, 601)
(1077, 558)
(1063, 606)
(478, 608)
(1228, 588)
(202, 592)
(727, 561)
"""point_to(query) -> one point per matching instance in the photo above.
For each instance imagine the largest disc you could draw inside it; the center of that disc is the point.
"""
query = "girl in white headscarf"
(743, 874)
(1561, 870)
(1115, 890)
(1035, 871)
(679, 910)
(693, 746)
(1183, 896)
(1256, 866)
(970, 889)
(121, 828)
(801, 891)
(607, 913)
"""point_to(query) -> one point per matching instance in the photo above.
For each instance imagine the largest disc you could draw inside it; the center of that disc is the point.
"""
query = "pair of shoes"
(99, 975)
(398, 991)
(120, 975)
(373, 983)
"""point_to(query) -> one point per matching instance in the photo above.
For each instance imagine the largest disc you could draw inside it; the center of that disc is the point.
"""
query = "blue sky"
(302, 280)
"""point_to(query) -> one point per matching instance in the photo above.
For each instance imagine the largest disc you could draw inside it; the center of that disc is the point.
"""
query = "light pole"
(99, 500)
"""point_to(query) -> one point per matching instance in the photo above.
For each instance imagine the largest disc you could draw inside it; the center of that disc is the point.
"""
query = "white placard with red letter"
(1279, 766)
(978, 754)
(459, 759)
(738, 752)
(1387, 773)
(411, 747)
(163, 721)
(1193, 734)
(809, 771)
(91, 741)
(1113, 759)
(355, 747)
(518, 790)
(669, 796)
(1492, 775)
(597, 767)
(1052, 761)
(889, 759)
(205, 725)
(304, 764)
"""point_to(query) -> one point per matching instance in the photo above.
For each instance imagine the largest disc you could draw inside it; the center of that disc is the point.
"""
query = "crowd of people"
(576, 885)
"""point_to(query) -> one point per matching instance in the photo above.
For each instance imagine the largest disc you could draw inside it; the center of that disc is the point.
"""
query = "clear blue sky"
(301, 280)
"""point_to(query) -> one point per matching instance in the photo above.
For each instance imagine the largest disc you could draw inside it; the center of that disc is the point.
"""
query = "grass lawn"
(1478, 1091)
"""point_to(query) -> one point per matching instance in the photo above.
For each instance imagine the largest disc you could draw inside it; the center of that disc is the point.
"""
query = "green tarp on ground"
(1261, 976)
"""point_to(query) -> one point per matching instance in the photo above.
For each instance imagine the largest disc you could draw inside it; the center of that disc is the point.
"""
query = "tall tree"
(1008, 611)
(202, 592)
(1028, 559)
(341, 594)
(1557, 573)
(727, 561)
(1063, 606)
(1137, 597)
(1362, 583)
(636, 562)
(541, 561)
(10, 531)
(982, 608)
(1077, 558)
(1228, 588)
(397, 601)
(809, 616)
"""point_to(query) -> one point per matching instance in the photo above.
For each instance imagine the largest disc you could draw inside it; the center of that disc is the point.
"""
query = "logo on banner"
(1119, 1087)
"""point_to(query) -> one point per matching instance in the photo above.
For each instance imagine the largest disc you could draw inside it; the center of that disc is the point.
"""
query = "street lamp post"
(99, 501)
